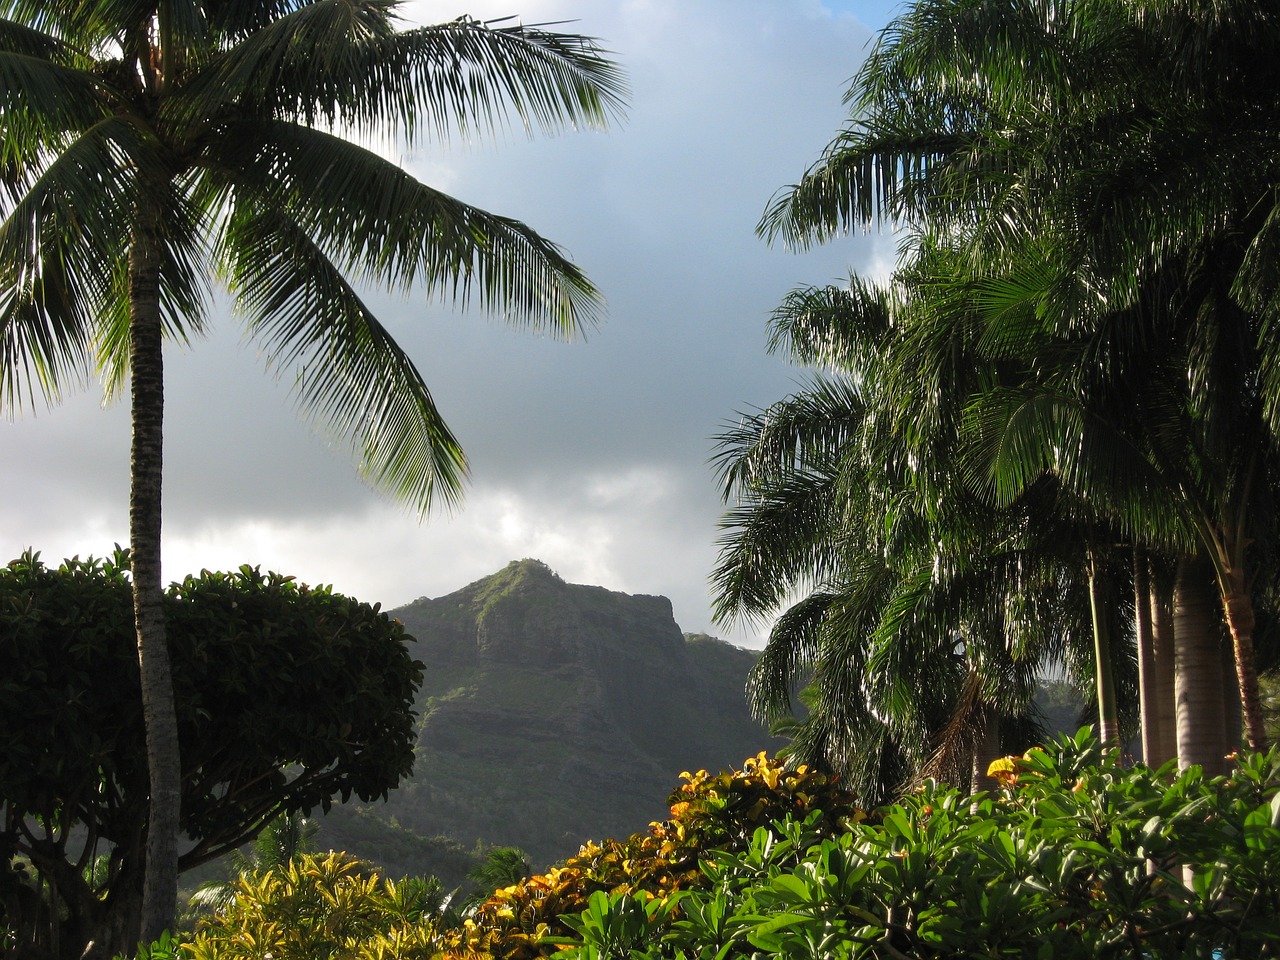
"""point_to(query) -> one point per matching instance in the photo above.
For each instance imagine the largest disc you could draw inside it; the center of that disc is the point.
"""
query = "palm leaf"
(53, 289)
(351, 375)
(343, 63)
(382, 223)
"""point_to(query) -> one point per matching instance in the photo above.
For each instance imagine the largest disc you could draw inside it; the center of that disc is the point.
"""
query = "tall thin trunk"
(1148, 692)
(1232, 715)
(1237, 604)
(1166, 704)
(160, 886)
(1198, 666)
(986, 749)
(1108, 714)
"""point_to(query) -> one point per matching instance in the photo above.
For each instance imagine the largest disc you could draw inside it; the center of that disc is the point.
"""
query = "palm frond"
(807, 431)
(351, 376)
(44, 101)
(385, 225)
(840, 327)
(790, 653)
(54, 239)
(344, 63)
(778, 541)
(184, 269)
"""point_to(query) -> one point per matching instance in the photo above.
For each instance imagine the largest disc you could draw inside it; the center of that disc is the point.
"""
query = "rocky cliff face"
(555, 713)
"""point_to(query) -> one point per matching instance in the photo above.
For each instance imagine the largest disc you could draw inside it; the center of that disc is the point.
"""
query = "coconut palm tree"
(149, 147)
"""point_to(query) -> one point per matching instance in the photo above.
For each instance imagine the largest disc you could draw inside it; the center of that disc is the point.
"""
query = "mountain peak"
(576, 703)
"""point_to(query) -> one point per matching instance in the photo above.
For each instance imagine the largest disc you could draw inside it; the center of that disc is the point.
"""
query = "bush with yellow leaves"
(708, 812)
(319, 907)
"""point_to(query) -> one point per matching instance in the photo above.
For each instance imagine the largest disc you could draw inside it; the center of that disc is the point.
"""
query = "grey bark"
(160, 884)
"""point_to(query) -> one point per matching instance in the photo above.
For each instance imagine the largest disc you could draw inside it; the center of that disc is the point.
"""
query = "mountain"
(554, 713)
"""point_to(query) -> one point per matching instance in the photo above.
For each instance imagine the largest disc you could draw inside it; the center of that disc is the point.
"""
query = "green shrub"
(1077, 857)
(320, 907)
(1074, 857)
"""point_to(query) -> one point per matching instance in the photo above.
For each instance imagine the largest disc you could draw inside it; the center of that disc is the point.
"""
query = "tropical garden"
(1044, 445)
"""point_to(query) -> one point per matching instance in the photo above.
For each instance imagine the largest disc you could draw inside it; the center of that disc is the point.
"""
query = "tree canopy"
(288, 697)
(1084, 302)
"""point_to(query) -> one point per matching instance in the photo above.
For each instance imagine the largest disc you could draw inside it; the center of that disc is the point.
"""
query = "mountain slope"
(554, 713)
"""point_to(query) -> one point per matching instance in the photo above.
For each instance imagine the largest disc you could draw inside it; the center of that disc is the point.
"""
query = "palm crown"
(214, 123)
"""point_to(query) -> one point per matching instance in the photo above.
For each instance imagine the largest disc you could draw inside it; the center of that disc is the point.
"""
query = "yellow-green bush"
(318, 907)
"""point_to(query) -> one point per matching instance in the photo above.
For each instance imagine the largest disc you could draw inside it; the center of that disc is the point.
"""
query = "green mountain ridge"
(554, 713)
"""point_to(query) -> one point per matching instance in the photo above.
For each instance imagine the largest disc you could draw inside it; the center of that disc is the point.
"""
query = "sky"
(592, 456)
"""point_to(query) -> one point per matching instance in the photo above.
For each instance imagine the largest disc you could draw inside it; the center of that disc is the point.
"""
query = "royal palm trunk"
(1144, 631)
(1198, 667)
(1108, 714)
(1237, 603)
(1165, 712)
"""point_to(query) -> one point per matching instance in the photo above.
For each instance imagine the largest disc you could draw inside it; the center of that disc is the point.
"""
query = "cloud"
(591, 456)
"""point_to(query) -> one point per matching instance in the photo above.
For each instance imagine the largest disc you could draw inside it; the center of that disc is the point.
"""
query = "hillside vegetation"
(553, 713)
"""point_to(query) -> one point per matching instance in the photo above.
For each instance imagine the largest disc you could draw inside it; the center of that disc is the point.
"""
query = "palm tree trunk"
(1198, 667)
(986, 749)
(1108, 714)
(1144, 631)
(160, 886)
(1232, 715)
(1165, 693)
(1237, 603)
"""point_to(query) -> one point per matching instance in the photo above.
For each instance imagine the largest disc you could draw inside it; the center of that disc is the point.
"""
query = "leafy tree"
(287, 697)
(145, 147)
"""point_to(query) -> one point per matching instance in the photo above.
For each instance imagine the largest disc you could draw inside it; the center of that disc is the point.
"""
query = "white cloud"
(589, 456)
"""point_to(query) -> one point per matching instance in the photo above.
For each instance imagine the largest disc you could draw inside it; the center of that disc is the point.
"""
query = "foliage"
(501, 867)
(1076, 857)
(1270, 688)
(321, 906)
(168, 947)
(283, 839)
(287, 695)
(722, 811)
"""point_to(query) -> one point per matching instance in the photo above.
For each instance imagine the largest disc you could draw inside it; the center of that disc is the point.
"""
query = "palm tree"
(146, 147)
(925, 611)
(1085, 144)
(501, 867)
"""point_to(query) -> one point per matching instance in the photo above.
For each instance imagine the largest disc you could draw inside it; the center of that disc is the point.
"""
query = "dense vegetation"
(1047, 443)
(288, 697)
(1074, 856)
